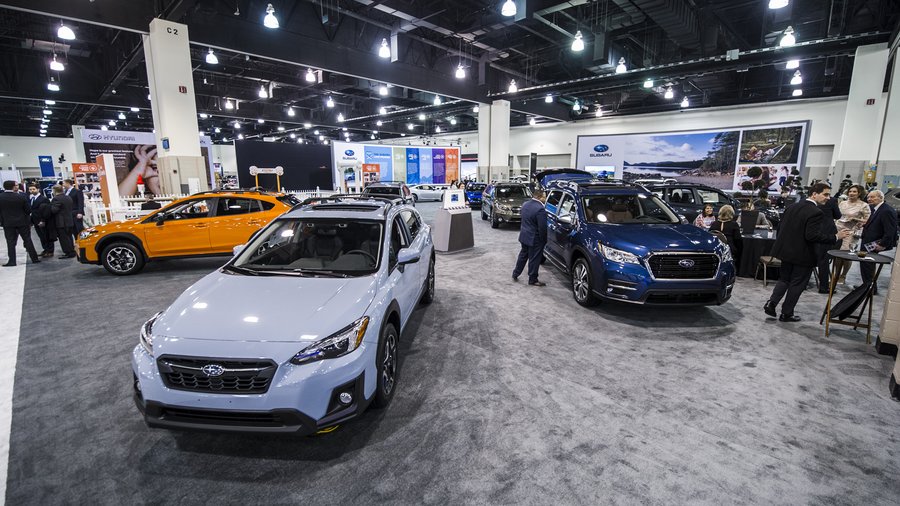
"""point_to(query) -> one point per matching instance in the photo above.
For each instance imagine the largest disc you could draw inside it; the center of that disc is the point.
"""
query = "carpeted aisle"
(508, 394)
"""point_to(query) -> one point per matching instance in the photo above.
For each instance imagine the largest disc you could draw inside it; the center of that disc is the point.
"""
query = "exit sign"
(870, 101)
(182, 89)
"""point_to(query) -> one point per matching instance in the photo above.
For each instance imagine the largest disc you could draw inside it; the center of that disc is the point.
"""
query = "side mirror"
(407, 256)
(160, 218)
(683, 219)
(237, 249)
(567, 219)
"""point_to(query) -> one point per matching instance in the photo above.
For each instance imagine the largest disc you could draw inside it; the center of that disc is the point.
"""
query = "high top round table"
(880, 261)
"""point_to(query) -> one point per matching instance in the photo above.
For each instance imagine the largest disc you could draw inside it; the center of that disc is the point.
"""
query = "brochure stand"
(452, 229)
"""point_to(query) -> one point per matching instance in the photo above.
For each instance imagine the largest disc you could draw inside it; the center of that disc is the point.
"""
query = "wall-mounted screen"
(409, 164)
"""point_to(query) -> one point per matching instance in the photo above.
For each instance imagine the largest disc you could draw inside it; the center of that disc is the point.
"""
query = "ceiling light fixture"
(797, 79)
(778, 4)
(299, 141)
(437, 130)
(576, 106)
(422, 116)
(135, 109)
(237, 124)
(229, 104)
(410, 126)
(293, 135)
(103, 127)
(578, 43)
(620, 68)
(211, 58)
(512, 87)
(452, 121)
(378, 123)
(669, 95)
(56, 66)
(329, 102)
(599, 112)
(476, 109)
(121, 115)
(797, 93)
(310, 76)
(52, 85)
(240, 137)
(112, 123)
(64, 32)
(260, 121)
(203, 115)
(262, 92)
(340, 117)
(437, 100)
(548, 99)
(372, 137)
(290, 112)
(280, 128)
(532, 122)
(685, 102)
(788, 39)
(460, 72)
(49, 112)
(307, 125)
(648, 83)
(315, 132)
(50, 102)
(508, 9)
(792, 64)
(384, 51)
(383, 90)
(382, 111)
(217, 130)
(270, 21)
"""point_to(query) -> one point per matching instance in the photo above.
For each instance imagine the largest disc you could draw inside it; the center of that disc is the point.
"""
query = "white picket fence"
(129, 208)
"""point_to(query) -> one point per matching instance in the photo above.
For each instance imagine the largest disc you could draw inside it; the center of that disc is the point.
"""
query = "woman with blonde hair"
(726, 225)
(855, 212)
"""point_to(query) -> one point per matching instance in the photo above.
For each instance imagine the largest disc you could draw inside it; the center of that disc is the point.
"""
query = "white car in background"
(423, 192)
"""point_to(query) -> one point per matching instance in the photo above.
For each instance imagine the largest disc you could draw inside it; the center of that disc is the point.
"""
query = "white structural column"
(493, 141)
(169, 74)
(12, 280)
(862, 121)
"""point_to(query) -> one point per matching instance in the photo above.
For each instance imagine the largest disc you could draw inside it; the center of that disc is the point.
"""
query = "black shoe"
(769, 308)
(8, 264)
(537, 283)
(70, 255)
(35, 261)
(515, 278)
(788, 318)
(823, 291)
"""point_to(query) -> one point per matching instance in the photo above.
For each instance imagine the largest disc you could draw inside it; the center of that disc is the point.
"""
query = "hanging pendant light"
(578, 43)
(788, 39)
(382, 111)
(685, 102)
(532, 122)
(599, 112)
(512, 86)
(648, 83)
(797, 93)
(270, 21)
(576, 106)
(792, 64)
(64, 32)
(797, 79)
(229, 104)
(508, 9)
(329, 102)
(262, 92)
(437, 100)
(310, 76)
(620, 68)
(52, 85)
(476, 109)
(669, 93)
(460, 72)
(548, 99)
(778, 4)
(211, 58)
(55, 65)
(290, 112)
(384, 51)
(340, 117)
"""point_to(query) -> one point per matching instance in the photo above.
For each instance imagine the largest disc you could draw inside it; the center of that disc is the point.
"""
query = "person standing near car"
(831, 212)
(15, 215)
(77, 206)
(879, 233)
(532, 237)
(799, 232)
(63, 220)
(40, 212)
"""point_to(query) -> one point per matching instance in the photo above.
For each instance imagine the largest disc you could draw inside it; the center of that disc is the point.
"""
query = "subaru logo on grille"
(687, 263)
(601, 148)
(213, 370)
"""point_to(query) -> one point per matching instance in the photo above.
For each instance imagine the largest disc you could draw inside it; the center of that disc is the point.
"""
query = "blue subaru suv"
(473, 194)
(619, 241)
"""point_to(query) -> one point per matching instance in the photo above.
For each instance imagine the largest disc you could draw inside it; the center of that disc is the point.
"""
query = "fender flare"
(102, 243)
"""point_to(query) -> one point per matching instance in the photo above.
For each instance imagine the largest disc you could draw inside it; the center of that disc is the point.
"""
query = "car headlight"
(504, 208)
(725, 252)
(147, 333)
(617, 255)
(336, 345)
(87, 233)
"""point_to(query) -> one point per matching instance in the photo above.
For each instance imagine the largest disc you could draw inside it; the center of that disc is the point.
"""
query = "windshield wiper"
(240, 270)
(317, 272)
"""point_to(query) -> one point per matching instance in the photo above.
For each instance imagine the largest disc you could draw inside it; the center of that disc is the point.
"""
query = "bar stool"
(765, 262)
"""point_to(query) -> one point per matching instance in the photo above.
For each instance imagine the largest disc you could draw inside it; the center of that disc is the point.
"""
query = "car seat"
(325, 244)
(371, 243)
(619, 213)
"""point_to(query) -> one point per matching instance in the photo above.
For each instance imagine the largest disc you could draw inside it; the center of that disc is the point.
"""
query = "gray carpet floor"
(508, 394)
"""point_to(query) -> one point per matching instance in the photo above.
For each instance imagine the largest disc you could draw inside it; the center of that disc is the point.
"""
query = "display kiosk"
(452, 229)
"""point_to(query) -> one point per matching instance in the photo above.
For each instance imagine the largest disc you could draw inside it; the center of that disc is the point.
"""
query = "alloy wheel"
(389, 364)
(121, 259)
(580, 284)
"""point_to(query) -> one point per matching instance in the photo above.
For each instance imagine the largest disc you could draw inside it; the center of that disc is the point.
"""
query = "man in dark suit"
(15, 215)
(831, 212)
(532, 237)
(40, 213)
(800, 231)
(151, 204)
(63, 220)
(879, 232)
(77, 206)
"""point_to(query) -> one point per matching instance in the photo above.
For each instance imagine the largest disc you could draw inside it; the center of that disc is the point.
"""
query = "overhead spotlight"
(240, 137)
(797, 79)
(52, 85)
(383, 90)
(437, 100)
(135, 109)
(293, 135)
(437, 130)
(576, 106)
(382, 111)
(103, 127)
(280, 128)
(792, 64)
(217, 130)
(778, 4)
(49, 112)
(344, 129)
(422, 116)
(270, 21)
(797, 93)
(203, 115)
(50, 102)
(321, 137)
(669, 93)
(532, 122)
(372, 137)
(315, 132)
(237, 124)
(262, 92)
(229, 104)
(599, 112)
(329, 102)
(121, 115)
(452, 121)
(620, 68)
(42, 135)
(64, 32)
(548, 99)
(375, 132)
(512, 87)
(310, 76)
(111, 123)
(307, 125)
(211, 58)
(149, 97)
(685, 102)
(648, 83)
(325, 142)
(410, 126)
(340, 117)
(299, 141)
(384, 51)
(260, 121)
(460, 72)
(56, 66)
(578, 43)
(508, 9)
(379, 123)
(290, 112)
(788, 39)
(476, 109)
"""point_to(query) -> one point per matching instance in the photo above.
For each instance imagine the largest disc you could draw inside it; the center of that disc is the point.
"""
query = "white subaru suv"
(299, 331)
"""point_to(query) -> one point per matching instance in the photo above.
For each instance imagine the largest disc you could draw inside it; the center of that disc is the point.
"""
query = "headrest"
(326, 232)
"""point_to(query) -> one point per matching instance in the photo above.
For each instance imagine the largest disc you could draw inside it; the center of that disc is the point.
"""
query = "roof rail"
(593, 183)
(266, 192)
(344, 197)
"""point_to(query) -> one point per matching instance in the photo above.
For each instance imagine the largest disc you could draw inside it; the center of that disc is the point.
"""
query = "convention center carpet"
(508, 394)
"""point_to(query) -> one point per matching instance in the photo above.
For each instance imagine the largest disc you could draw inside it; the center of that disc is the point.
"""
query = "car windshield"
(289, 199)
(627, 209)
(475, 187)
(510, 192)
(382, 190)
(314, 247)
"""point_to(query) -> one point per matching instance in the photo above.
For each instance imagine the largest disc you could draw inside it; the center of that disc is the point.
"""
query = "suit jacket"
(61, 207)
(77, 200)
(40, 209)
(881, 227)
(831, 212)
(533, 231)
(14, 210)
(800, 230)
(150, 205)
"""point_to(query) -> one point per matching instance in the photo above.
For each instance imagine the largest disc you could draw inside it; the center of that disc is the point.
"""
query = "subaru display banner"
(135, 155)
(46, 163)
(437, 165)
(409, 164)
(740, 158)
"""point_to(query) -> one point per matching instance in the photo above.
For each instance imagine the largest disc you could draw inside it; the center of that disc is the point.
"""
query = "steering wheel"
(364, 253)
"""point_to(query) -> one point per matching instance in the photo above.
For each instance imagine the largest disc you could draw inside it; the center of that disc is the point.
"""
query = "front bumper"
(87, 252)
(509, 217)
(633, 283)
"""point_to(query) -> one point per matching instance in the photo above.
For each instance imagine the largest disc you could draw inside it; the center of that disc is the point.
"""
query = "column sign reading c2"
(46, 163)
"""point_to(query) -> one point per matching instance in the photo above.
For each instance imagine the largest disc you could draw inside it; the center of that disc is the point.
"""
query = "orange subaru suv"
(204, 224)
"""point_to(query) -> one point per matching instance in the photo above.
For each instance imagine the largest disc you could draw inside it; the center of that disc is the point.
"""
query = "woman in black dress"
(726, 225)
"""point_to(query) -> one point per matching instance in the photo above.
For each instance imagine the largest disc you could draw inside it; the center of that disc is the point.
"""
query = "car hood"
(234, 307)
(118, 226)
(642, 239)
(513, 201)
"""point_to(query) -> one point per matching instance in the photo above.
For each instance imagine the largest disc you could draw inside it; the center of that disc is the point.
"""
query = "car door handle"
(200, 225)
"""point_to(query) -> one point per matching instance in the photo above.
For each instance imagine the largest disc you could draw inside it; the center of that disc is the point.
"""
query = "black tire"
(386, 366)
(495, 223)
(122, 258)
(582, 284)
(428, 293)
(483, 214)
(415, 198)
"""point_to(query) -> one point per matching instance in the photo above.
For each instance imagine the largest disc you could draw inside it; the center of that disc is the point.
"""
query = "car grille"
(250, 376)
(681, 298)
(516, 210)
(236, 418)
(669, 266)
